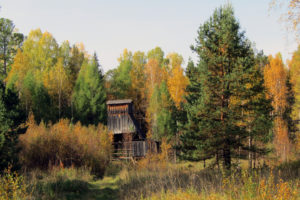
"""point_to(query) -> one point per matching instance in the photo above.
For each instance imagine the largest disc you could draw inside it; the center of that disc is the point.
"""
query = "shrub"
(66, 145)
(13, 186)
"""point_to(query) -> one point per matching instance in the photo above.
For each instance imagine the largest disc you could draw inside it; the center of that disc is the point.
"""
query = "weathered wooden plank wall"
(120, 120)
(140, 148)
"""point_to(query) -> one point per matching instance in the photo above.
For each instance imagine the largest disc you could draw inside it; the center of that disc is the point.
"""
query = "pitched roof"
(119, 101)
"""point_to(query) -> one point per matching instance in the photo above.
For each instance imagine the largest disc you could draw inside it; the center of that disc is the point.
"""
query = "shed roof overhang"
(119, 101)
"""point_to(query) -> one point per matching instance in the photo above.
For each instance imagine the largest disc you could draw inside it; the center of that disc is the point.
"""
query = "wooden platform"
(134, 149)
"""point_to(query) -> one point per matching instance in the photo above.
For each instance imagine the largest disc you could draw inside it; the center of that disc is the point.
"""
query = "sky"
(109, 26)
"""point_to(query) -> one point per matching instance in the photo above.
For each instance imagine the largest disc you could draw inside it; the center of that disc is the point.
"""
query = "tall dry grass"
(170, 182)
(66, 145)
(59, 183)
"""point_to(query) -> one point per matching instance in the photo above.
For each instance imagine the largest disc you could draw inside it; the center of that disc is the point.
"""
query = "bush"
(13, 186)
(66, 145)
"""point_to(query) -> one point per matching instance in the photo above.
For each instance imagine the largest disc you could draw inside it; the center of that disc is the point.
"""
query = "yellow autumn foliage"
(275, 81)
(177, 83)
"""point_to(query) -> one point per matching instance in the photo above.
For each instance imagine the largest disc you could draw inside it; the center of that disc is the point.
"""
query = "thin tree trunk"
(176, 145)
(59, 105)
(254, 160)
(239, 160)
(217, 159)
(250, 153)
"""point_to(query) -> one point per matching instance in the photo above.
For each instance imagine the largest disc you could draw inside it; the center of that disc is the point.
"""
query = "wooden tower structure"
(128, 140)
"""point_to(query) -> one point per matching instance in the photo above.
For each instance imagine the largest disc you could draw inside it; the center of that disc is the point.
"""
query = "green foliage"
(163, 123)
(89, 95)
(44, 75)
(38, 99)
(226, 101)
(13, 186)
(10, 41)
(119, 79)
(11, 119)
(294, 75)
(75, 61)
(287, 115)
(157, 54)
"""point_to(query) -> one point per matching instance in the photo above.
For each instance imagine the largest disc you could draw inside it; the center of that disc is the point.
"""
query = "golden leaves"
(177, 83)
(154, 74)
(275, 81)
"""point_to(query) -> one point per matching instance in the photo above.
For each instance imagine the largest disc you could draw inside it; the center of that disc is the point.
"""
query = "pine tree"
(89, 97)
(10, 41)
(220, 91)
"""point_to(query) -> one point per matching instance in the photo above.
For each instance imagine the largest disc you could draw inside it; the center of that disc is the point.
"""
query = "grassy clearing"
(57, 183)
(72, 184)
(163, 181)
(172, 182)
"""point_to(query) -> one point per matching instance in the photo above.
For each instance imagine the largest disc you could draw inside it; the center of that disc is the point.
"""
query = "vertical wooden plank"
(144, 148)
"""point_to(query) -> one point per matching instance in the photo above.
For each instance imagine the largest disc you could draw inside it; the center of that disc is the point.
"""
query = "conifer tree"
(119, 79)
(219, 92)
(287, 115)
(11, 117)
(89, 97)
(38, 99)
(10, 41)
(162, 113)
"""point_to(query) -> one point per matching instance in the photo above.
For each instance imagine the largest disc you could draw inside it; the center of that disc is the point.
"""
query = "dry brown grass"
(170, 182)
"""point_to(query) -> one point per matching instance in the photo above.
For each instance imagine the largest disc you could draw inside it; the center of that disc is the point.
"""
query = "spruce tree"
(225, 94)
(11, 118)
(287, 115)
(120, 79)
(162, 112)
(89, 97)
